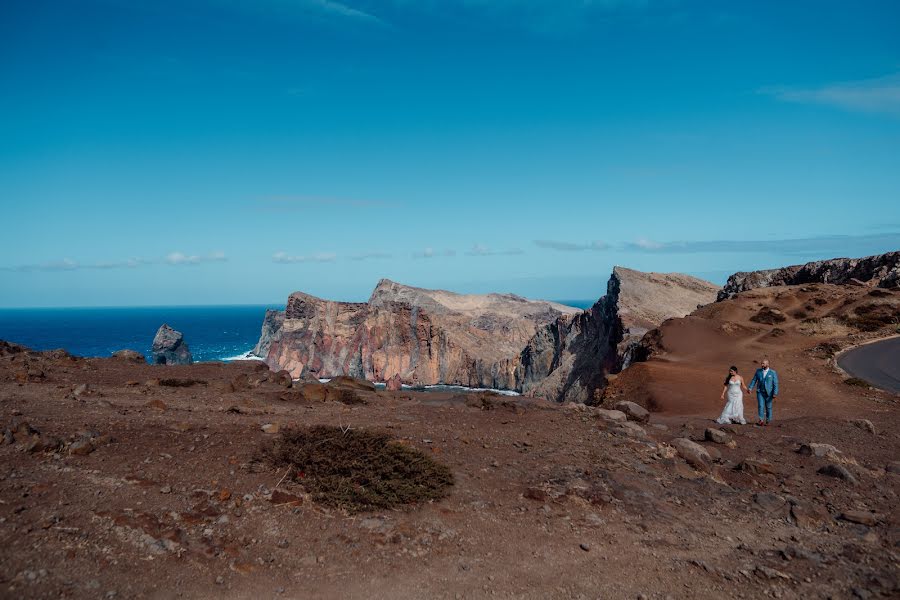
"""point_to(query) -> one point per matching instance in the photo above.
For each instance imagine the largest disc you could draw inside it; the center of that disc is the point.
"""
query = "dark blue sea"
(211, 332)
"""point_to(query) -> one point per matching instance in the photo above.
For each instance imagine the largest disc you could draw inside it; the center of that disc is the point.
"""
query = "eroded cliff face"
(570, 359)
(422, 336)
(426, 337)
(881, 270)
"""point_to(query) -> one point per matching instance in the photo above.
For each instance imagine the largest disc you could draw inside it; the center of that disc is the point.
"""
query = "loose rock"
(634, 412)
(838, 471)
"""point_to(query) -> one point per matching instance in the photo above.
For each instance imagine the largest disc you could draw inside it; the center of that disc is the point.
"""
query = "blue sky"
(228, 151)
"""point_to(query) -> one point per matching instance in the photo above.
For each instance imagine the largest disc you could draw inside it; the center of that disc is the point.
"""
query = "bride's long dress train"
(734, 408)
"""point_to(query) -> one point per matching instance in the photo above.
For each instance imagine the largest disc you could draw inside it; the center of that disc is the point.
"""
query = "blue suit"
(766, 389)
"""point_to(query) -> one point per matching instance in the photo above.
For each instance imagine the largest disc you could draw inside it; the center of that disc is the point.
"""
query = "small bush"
(358, 470)
(769, 316)
(828, 349)
(820, 301)
(879, 293)
(872, 317)
(800, 314)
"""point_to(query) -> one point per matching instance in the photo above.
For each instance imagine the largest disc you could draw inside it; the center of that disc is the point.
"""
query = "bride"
(734, 408)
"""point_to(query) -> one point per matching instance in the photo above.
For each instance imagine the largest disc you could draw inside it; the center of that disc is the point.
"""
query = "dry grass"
(358, 470)
(825, 326)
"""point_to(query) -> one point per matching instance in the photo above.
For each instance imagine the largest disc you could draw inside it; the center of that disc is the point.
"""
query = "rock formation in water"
(169, 348)
(424, 337)
(570, 359)
(881, 270)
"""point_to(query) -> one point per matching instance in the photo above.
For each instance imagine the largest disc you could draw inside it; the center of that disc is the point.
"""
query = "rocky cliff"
(422, 336)
(570, 359)
(504, 341)
(881, 270)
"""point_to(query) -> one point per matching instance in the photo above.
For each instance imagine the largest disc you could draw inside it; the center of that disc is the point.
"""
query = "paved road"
(877, 363)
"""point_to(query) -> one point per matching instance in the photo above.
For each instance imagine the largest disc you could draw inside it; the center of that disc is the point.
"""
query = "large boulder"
(169, 348)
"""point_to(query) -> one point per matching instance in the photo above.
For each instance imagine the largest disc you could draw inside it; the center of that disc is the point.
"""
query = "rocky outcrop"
(570, 359)
(881, 270)
(169, 348)
(271, 326)
(423, 337)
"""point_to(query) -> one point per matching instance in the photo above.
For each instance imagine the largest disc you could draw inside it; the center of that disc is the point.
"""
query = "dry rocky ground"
(124, 480)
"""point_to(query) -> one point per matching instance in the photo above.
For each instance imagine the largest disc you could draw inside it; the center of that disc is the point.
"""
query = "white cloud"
(371, 255)
(596, 245)
(880, 95)
(287, 259)
(482, 250)
(179, 258)
(432, 253)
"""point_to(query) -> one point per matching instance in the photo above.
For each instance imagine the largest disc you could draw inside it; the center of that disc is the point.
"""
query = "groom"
(766, 382)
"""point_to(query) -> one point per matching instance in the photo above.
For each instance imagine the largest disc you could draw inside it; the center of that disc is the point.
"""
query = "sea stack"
(169, 348)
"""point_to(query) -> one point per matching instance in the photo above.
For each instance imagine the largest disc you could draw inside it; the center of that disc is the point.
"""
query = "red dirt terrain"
(125, 480)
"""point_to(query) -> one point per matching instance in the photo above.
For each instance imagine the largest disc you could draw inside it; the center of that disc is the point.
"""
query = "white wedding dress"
(734, 407)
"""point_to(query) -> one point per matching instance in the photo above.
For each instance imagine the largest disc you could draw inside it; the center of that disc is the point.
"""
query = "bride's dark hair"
(728, 377)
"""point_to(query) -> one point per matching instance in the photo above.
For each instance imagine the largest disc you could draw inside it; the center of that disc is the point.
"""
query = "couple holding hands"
(766, 382)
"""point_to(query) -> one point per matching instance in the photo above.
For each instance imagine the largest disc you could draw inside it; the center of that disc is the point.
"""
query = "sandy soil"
(549, 501)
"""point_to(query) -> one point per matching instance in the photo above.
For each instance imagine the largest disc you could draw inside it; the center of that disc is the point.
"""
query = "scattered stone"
(616, 416)
(634, 411)
(81, 447)
(821, 451)
(82, 389)
(809, 516)
(630, 429)
(585, 547)
(283, 378)
(692, 452)
(838, 471)
(769, 502)
(270, 428)
(714, 453)
(770, 573)
(869, 519)
(755, 466)
(166, 489)
(169, 348)
(893, 467)
(716, 435)
(864, 424)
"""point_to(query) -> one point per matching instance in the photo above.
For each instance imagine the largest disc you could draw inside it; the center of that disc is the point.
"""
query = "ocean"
(211, 332)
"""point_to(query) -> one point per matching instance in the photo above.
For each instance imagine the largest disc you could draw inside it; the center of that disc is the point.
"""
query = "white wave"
(462, 388)
(245, 356)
